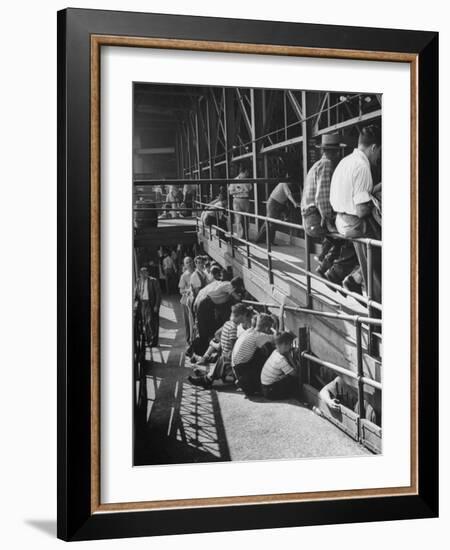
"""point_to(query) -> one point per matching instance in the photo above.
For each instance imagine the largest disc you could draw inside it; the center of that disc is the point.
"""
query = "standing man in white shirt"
(184, 287)
(241, 200)
(351, 198)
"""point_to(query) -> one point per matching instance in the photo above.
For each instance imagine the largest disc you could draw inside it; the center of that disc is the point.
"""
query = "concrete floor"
(180, 423)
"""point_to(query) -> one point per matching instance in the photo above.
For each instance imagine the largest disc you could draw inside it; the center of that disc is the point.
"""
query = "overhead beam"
(350, 122)
(281, 144)
(247, 121)
(295, 105)
(155, 151)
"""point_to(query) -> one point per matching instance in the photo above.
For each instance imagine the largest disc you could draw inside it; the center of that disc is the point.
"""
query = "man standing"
(350, 197)
(148, 295)
(185, 288)
(241, 200)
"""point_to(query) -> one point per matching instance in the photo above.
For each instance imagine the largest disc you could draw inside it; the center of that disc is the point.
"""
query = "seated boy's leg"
(285, 388)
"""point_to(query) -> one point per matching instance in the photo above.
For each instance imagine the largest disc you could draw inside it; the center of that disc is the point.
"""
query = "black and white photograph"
(257, 299)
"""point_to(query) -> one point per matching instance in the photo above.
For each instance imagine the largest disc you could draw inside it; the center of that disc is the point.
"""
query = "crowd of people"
(177, 201)
(227, 340)
(339, 197)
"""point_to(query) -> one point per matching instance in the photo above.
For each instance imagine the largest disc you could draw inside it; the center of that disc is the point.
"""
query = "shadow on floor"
(176, 422)
(47, 526)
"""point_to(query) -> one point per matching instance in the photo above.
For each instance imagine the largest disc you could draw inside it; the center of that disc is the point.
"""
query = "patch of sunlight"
(168, 313)
(152, 386)
(168, 334)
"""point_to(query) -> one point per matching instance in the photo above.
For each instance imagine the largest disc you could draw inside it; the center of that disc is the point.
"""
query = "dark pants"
(283, 389)
(155, 328)
(353, 227)
(344, 263)
(248, 374)
(150, 320)
(209, 318)
(274, 210)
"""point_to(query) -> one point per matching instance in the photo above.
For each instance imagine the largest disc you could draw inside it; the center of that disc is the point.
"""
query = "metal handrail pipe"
(342, 370)
(340, 316)
(221, 181)
(358, 297)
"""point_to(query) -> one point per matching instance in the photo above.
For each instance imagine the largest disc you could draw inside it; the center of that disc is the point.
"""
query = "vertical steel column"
(269, 252)
(227, 166)
(370, 343)
(254, 153)
(218, 232)
(197, 139)
(360, 370)
(188, 141)
(305, 173)
(266, 166)
(247, 245)
(208, 132)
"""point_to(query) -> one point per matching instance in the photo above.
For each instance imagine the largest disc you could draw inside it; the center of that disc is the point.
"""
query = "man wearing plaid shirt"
(337, 258)
(318, 215)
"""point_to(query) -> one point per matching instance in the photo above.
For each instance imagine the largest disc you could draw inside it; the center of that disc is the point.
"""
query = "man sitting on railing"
(278, 376)
(241, 200)
(337, 258)
(350, 197)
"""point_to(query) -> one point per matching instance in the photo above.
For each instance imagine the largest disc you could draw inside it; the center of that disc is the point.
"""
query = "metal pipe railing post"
(269, 252)
(217, 230)
(360, 371)
(308, 271)
(247, 245)
(370, 294)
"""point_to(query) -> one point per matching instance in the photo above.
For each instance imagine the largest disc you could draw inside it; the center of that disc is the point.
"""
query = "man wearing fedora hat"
(318, 216)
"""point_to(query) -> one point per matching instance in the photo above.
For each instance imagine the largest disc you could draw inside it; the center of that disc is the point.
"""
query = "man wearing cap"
(318, 215)
(337, 259)
(278, 376)
(148, 297)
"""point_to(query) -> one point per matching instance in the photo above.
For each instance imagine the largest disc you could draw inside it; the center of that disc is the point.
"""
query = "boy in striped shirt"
(240, 314)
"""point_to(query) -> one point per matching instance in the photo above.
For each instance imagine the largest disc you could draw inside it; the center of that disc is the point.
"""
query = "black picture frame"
(76, 521)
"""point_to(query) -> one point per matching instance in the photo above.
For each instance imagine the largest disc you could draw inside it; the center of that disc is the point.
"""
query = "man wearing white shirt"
(241, 201)
(351, 198)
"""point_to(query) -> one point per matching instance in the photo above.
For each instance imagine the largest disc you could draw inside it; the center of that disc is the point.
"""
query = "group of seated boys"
(248, 349)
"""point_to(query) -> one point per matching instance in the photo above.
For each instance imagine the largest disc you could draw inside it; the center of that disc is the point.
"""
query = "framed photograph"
(247, 255)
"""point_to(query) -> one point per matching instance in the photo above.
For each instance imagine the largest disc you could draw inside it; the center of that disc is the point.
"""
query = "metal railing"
(306, 271)
(358, 376)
